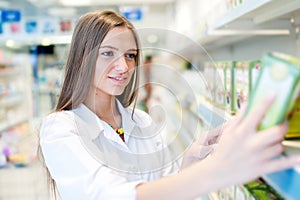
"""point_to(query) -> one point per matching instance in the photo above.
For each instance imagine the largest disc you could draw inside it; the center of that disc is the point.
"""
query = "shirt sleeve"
(77, 174)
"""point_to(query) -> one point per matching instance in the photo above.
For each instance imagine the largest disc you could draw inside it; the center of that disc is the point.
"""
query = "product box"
(220, 84)
(254, 68)
(242, 85)
(280, 75)
(294, 119)
(209, 75)
(230, 87)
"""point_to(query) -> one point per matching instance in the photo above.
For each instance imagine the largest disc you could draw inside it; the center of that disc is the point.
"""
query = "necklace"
(120, 132)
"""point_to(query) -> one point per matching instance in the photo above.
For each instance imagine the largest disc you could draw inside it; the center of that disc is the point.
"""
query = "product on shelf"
(220, 85)
(294, 119)
(3, 158)
(242, 84)
(260, 190)
(280, 75)
(209, 75)
(18, 145)
(254, 68)
(238, 192)
(230, 87)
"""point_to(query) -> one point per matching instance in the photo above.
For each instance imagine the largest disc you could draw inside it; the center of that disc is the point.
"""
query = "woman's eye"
(107, 53)
(130, 55)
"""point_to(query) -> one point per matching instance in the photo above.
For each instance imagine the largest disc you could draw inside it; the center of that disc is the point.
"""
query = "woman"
(96, 147)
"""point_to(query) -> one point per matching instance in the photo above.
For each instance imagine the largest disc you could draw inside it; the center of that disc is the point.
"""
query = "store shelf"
(251, 18)
(27, 39)
(15, 104)
(211, 115)
(9, 124)
(259, 11)
(6, 73)
(10, 101)
(286, 182)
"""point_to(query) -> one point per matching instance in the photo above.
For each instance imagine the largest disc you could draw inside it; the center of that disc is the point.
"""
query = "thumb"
(204, 151)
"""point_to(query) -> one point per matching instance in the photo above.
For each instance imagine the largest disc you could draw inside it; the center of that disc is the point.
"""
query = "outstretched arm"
(243, 154)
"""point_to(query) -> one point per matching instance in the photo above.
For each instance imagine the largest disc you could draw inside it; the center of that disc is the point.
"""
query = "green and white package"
(254, 68)
(279, 75)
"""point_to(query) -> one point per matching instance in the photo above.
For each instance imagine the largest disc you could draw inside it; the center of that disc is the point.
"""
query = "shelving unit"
(257, 11)
(17, 141)
(251, 18)
(14, 96)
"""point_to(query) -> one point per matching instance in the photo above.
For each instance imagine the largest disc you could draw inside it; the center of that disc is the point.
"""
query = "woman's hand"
(201, 148)
(244, 153)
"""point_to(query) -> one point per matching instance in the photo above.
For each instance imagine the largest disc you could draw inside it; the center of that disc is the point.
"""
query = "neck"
(105, 107)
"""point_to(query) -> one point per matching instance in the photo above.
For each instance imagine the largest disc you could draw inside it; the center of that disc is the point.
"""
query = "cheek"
(131, 71)
(100, 71)
(131, 66)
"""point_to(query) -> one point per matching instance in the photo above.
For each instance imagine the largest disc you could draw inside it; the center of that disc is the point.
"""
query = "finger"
(255, 116)
(284, 162)
(237, 119)
(203, 151)
(271, 152)
(210, 137)
(202, 139)
(272, 135)
(213, 141)
(213, 135)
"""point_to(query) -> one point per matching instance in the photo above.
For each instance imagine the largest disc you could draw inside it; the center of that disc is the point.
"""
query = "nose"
(121, 64)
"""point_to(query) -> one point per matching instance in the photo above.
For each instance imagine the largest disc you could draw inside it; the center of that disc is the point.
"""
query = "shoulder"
(58, 117)
(55, 122)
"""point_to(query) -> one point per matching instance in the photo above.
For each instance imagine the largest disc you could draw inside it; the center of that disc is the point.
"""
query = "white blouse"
(88, 160)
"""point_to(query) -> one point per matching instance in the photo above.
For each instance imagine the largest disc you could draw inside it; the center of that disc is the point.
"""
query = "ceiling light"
(249, 32)
(10, 43)
(46, 42)
(56, 11)
(292, 20)
(76, 2)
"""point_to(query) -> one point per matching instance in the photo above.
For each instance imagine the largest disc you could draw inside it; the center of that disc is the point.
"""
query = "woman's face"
(116, 62)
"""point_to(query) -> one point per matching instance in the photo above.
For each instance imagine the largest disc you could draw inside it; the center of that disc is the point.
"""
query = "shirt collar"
(90, 118)
(127, 122)
(97, 125)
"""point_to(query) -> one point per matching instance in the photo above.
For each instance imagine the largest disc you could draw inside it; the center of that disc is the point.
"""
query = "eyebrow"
(111, 47)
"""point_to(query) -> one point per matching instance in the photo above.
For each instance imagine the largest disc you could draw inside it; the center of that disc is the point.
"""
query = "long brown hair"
(88, 34)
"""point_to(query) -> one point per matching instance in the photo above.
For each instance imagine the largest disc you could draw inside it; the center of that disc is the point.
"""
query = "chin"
(117, 92)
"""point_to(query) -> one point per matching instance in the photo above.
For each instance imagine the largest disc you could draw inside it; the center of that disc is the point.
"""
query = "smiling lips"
(118, 79)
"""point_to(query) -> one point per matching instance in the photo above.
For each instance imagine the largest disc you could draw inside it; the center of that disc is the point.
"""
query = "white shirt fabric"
(88, 160)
